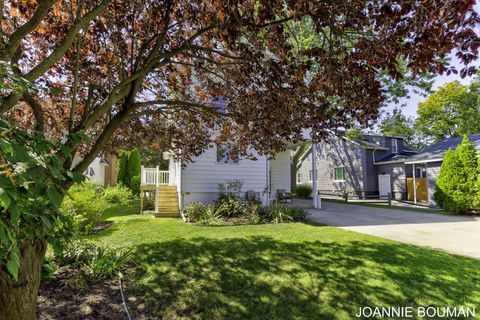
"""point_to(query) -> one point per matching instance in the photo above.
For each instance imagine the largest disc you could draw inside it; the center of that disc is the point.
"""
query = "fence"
(357, 196)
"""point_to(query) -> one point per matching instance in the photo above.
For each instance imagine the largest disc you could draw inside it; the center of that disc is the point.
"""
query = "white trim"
(334, 174)
(388, 162)
(424, 161)
(394, 145)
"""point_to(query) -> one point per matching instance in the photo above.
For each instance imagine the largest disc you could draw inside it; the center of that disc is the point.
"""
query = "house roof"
(437, 151)
(394, 157)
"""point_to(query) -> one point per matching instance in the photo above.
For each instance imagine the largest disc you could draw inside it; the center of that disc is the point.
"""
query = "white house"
(200, 179)
(101, 170)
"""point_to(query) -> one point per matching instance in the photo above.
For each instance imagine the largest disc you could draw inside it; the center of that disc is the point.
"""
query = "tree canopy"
(397, 124)
(453, 110)
(156, 68)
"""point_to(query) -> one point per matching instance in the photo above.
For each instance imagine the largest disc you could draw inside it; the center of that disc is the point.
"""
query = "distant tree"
(134, 169)
(457, 177)
(451, 111)
(397, 124)
(122, 169)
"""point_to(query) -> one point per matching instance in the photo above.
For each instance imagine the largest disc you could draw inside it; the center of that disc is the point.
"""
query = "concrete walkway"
(454, 234)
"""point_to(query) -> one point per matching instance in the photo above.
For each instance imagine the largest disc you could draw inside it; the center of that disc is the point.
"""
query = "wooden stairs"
(167, 206)
(167, 202)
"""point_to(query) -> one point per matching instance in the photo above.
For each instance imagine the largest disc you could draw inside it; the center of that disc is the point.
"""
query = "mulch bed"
(69, 294)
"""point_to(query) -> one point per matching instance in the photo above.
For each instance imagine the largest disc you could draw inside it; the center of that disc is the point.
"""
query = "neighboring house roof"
(409, 149)
(369, 145)
(393, 158)
(104, 161)
(437, 151)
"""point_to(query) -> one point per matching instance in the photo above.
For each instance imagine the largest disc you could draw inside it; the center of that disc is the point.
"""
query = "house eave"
(424, 161)
(389, 162)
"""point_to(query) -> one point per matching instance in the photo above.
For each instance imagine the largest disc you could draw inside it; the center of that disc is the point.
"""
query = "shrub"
(230, 189)
(84, 204)
(456, 179)
(282, 213)
(123, 176)
(211, 216)
(195, 211)
(75, 254)
(233, 207)
(106, 262)
(118, 194)
(134, 169)
(303, 191)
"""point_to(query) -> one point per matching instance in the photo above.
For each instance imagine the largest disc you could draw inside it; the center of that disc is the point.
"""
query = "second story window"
(225, 156)
(394, 146)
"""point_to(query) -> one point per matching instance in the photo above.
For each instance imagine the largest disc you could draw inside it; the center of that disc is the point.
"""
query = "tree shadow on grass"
(264, 278)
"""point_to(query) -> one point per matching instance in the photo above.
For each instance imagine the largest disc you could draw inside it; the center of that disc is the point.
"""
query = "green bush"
(282, 213)
(84, 204)
(123, 176)
(129, 169)
(456, 180)
(233, 207)
(303, 191)
(195, 211)
(211, 216)
(118, 194)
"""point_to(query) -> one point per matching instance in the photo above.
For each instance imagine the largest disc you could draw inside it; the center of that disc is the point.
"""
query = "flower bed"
(234, 211)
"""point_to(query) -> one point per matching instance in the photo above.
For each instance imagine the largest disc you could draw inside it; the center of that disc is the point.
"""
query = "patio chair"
(251, 195)
(283, 196)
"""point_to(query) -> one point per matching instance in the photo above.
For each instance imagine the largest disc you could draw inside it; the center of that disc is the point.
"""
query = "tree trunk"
(18, 299)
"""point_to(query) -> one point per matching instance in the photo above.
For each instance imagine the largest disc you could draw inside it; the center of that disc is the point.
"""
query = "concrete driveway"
(454, 234)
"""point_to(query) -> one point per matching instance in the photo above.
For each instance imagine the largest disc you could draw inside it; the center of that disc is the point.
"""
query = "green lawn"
(285, 271)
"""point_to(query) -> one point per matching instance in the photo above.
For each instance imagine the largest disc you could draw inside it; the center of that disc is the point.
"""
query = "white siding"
(204, 174)
(280, 172)
(95, 167)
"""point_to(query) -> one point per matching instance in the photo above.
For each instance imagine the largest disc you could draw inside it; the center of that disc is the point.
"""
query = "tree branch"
(17, 36)
(66, 43)
(37, 112)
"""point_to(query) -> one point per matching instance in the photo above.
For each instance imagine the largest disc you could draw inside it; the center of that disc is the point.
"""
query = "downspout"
(316, 203)
(267, 182)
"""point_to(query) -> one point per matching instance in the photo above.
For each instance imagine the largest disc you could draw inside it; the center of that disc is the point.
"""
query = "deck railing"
(155, 177)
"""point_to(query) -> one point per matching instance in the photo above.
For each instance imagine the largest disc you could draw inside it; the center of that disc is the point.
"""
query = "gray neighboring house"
(373, 165)
(427, 162)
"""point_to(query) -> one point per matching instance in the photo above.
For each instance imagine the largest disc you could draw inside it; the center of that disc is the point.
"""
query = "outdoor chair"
(283, 196)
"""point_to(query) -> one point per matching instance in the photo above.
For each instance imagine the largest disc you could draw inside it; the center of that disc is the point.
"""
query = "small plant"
(99, 261)
(303, 191)
(48, 268)
(77, 283)
(75, 254)
(195, 211)
(282, 213)
(212, 216)
(106, 262)
(118, 194)
(230, 189)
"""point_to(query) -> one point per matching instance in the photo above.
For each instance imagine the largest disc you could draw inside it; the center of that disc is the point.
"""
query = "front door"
(384, 185)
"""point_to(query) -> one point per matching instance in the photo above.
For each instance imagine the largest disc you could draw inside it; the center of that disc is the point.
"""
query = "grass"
(284, 271)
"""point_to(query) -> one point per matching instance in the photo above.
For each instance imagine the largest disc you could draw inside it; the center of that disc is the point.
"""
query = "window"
(420, 172)
(299, 177)
(339, 174)
(310, 178)
(224, 155)
(394, 146)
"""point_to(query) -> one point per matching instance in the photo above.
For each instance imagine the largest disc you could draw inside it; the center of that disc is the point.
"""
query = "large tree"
(192, 73)
(451, 111)
(397, 124)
